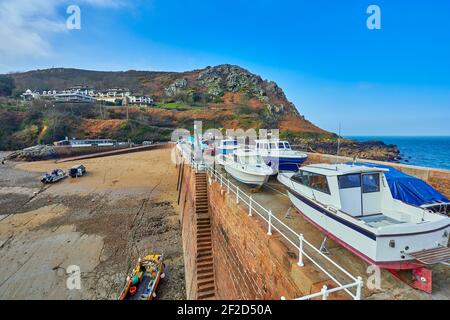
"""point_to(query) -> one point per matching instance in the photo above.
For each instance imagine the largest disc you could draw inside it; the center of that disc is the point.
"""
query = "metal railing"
(297, 240)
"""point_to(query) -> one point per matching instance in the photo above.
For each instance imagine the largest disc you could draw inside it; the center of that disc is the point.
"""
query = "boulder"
(175, 88)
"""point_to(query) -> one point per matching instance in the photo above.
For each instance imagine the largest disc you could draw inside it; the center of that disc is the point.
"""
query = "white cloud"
(26, 26)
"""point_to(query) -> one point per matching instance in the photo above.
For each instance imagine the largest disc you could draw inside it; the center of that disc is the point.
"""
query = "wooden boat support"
(421, 277)
(433, 256)
(204, 259)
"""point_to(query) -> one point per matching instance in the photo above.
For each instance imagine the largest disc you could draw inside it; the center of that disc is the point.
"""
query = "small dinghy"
(353, 205)
(246, 166)
(144, 280)
(279, 155)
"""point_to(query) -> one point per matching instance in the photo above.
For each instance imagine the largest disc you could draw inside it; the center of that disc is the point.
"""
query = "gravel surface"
(123, 209)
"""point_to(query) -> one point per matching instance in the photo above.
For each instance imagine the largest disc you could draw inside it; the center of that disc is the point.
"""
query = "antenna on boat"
(338, 145)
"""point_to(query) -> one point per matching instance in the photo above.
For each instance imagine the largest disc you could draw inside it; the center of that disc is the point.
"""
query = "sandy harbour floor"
(123, 208)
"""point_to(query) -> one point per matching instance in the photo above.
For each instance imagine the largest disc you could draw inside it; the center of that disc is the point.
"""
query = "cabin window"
(312, 180)
(349, 181)
(286, 145)
(281, 145)
(371, 182)
(273, 146)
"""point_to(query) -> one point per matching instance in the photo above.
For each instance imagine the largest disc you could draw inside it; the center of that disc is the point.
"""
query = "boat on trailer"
(353, 205)
(246, 166)
(279, 155)
(54, 176)
(144, 279)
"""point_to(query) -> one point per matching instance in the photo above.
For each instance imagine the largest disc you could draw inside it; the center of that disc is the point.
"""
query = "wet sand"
(125, 207)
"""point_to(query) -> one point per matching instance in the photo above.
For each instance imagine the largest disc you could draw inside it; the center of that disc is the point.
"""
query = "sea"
(421, 151)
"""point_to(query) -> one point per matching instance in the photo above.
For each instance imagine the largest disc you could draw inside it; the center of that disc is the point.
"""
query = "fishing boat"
(144, 279)
(246, 166)
(353, 205)
(279, 155)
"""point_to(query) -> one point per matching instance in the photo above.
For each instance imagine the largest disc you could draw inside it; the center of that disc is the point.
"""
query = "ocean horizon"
(424, 151)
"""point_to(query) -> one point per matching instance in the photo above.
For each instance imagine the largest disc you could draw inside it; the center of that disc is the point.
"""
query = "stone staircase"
(204, 259)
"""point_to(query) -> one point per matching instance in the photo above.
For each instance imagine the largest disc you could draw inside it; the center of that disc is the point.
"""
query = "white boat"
(246, 166)
(354, 206)
(279, 155)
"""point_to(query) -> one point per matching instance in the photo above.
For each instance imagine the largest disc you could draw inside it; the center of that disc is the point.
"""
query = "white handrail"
(272, 220)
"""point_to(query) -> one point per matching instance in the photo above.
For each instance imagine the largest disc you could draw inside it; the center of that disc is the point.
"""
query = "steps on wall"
(204, 259)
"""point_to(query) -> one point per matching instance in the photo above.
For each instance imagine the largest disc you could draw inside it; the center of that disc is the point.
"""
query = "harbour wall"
(73, 154)
(438, 178)
(248, 263)
(186, 197)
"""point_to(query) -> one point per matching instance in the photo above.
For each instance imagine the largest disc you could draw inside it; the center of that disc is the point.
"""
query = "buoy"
(133, 290)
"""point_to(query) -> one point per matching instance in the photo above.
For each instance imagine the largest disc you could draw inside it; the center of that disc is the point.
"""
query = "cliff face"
(223, 96)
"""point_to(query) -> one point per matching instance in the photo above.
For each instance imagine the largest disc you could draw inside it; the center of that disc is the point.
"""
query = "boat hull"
(284, 163)
(373, 248)
(254, 180)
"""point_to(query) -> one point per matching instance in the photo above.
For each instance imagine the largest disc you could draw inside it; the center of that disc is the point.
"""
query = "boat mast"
(338, 145)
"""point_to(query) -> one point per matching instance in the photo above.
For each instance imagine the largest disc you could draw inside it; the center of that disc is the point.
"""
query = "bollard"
(269, 231)
(300, 251)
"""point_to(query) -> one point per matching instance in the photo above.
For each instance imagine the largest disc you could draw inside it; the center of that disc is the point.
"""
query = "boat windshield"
(250, 159)
(312, 180)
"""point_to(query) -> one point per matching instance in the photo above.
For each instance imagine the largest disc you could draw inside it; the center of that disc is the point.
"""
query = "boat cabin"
(266, 144)
(355, 190)
(247, 156)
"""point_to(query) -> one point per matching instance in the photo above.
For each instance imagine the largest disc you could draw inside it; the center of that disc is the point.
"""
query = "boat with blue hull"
(279, 155)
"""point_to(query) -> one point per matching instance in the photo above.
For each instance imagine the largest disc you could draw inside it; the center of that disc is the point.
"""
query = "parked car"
(147, 143)
(54, 176)
(77, 171)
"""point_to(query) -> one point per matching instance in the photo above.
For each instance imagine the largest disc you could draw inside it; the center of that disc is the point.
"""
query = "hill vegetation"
(225, 96)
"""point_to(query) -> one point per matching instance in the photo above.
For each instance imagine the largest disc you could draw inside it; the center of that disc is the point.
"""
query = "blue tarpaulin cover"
(407, 188)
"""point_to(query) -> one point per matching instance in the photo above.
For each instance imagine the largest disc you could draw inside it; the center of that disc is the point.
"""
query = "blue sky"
(393, 81)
